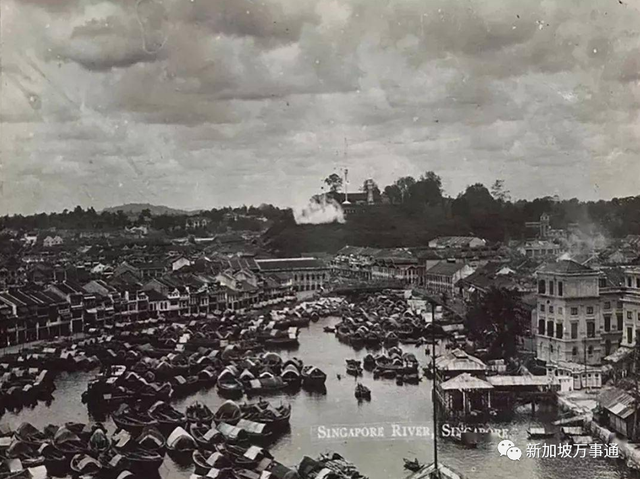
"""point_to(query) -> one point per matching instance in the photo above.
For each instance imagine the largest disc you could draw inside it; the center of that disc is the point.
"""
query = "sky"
(204, 103)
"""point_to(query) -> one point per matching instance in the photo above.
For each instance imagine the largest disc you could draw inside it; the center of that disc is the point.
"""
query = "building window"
(560, 310)
(590, 352)
(590, 310)
(629, 316)
(551, 287)
(630, 282)
(541, 324)
(550, 329)
(551, 309)
(629, 335)
(637, 282)
(574, 311)
(620, 320)
(542, 287)
(607, 322)
(574, 351)
(602, 282)
(542, 308)
(607, 347)
(560, 288)
(591, 329)
(559, 330)
(607, 305)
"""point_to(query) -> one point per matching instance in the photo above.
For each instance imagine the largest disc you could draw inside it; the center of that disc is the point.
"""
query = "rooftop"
(446, 268)
(289, 264)
(566, 266)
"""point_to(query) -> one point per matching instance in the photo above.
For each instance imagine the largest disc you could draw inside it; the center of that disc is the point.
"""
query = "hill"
(156, 210)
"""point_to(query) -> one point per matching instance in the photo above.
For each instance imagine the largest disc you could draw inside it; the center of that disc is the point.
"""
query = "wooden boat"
(412, 466)
(198, 413)
(166, 416)
(152, 440)
(28, 455)
(228, 385)
(291, 376)
(412, 378)
(83, 464)
(362, 392)
(581, 440)
(180, 441)
(232, 434)
(369, 362)
(313, 377)
(99, 442)
(440, 471)
(263, 412)
(204, 463)
(539, 433)
(353, 367)
(131, 420)
(69, 443)
(229, 412)
(467, 439)
(206, 437)
(30, 435)
(243, 457)
(255, 430)
(144, 462)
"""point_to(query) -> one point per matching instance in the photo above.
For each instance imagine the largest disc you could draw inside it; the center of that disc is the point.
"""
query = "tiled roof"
(445, 268)
(566, 266)
(465, 382)
(289, 264)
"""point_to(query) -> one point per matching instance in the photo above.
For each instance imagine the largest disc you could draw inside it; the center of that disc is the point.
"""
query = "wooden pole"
(435, 401)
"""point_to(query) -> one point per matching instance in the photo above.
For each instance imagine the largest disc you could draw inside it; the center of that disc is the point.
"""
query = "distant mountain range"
(156, 210)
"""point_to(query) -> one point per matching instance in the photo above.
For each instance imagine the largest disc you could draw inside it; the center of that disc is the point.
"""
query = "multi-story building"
(444, 276)
(308, 274)
(620, 293)
(540, 249)
(569, 321)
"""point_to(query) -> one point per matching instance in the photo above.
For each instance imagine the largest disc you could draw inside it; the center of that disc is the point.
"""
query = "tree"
(393, 193)
(492, 318)
(404, 184)
(427, 190)
(499, 192)
(334, 182)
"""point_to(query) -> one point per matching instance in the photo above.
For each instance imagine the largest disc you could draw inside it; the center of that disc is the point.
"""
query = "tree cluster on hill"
(250, 218)
(414, 211)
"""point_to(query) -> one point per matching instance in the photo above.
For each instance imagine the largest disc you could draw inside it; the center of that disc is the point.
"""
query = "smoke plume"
(319, 211)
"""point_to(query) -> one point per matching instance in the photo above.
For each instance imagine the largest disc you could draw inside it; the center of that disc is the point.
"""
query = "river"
(379, 458)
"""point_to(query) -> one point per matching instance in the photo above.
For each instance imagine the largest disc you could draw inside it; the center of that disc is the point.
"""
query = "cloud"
(200, 103)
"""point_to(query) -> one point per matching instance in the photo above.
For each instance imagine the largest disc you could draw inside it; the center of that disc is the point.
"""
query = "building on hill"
(52, 241)
(196, 222)
(444, 242)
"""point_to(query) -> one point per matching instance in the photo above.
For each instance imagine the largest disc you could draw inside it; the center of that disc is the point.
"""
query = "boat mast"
(436, 469)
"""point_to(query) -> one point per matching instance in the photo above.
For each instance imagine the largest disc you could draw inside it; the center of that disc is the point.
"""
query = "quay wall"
(628, 452)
